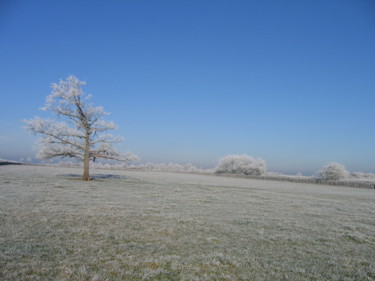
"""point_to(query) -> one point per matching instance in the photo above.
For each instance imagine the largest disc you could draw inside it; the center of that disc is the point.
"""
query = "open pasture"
(128, 225)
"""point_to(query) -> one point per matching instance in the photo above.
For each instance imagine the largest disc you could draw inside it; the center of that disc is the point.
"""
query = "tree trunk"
(86, 169)
(86, 160)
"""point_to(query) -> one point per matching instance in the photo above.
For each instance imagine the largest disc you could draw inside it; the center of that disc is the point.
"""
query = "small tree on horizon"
(333, 171)
(82, 134)
(241, 164)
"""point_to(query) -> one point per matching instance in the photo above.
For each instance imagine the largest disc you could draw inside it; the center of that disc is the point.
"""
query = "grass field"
(128, 225)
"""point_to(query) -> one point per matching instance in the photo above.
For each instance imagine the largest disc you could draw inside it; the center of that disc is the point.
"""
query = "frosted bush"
(333, 171)
(363, 176)
(241, 164)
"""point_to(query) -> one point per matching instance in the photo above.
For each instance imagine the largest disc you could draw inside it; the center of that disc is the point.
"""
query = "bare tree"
(82, 134)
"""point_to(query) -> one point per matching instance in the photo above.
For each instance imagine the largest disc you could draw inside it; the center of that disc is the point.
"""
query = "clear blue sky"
(292, 82)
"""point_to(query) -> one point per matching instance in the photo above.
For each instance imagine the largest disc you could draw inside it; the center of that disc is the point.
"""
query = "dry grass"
(160, 226)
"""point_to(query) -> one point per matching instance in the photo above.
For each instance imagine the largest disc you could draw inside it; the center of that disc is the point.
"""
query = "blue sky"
(292, 82)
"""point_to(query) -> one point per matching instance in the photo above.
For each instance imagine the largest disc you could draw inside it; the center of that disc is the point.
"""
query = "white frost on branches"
(82, 132)
(241, 164)
(334, 171)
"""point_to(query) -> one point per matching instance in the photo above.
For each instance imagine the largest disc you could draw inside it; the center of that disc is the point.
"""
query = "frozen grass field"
(128, 225)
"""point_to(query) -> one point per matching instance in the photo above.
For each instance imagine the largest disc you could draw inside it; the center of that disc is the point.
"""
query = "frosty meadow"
(136, 225)
(142, 222)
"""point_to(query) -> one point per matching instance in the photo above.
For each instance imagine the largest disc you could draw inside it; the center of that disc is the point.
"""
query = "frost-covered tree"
(241, 164)
(81, 134)
(333, 171)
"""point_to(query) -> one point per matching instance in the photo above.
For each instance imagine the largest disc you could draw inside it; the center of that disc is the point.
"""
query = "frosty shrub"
(242, 165)
(333, 171)
(362, 176)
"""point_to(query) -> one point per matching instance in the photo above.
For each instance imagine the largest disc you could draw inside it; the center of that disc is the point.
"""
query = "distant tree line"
(249, 167)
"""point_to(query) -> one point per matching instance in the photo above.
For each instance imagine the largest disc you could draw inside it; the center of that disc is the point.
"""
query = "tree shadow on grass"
(95, 177)
(3, 163)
